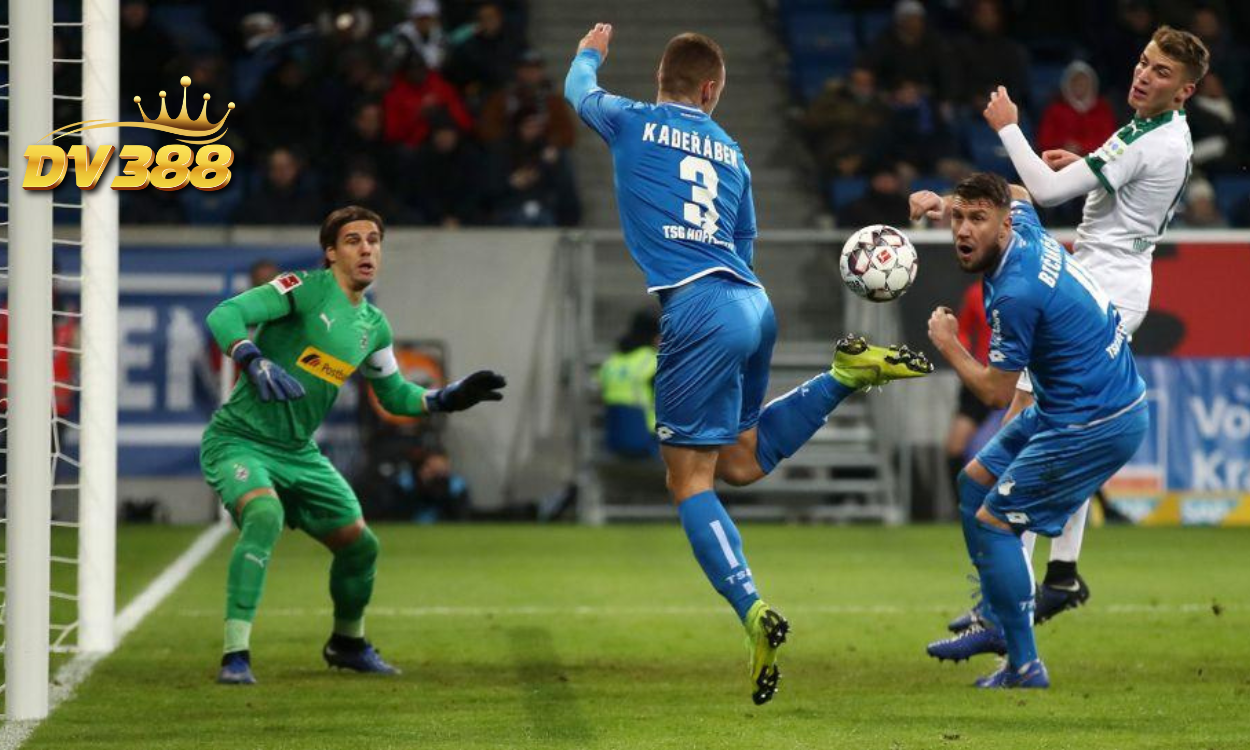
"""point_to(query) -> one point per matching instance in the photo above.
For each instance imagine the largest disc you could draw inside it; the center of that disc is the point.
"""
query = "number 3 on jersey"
(701, 209)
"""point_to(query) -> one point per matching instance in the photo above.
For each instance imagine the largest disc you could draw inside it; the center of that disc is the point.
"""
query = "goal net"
(58, 344)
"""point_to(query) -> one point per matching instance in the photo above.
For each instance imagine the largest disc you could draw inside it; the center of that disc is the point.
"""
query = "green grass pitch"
(562, 637)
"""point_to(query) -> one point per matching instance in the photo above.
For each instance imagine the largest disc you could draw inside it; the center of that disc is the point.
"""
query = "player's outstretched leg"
(351, 586)
(789, 421)
(260, 525)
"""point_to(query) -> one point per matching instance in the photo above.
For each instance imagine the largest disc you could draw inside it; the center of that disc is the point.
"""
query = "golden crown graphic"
(181, 125)
(182, 121)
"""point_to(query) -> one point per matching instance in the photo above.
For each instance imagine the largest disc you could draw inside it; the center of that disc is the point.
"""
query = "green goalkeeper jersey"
(309, 327)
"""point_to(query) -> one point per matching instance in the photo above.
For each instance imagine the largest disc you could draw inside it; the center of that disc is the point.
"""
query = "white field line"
(76, 670)
(871, 610)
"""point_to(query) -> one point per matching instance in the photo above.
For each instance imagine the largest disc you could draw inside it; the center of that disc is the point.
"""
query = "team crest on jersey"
(286, 282)
(324, 366)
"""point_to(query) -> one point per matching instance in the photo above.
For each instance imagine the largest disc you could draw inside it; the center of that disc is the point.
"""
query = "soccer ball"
(878, 263)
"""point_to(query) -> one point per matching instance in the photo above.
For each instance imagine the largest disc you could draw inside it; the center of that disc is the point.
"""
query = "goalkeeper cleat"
(979, 638)
(1053, 599)
(236, 669)
(363, 657)
(857, 364)
(766, 631)
(1031, 675)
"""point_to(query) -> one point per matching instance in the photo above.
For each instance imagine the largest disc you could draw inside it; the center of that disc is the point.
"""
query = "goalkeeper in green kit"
(315, 329)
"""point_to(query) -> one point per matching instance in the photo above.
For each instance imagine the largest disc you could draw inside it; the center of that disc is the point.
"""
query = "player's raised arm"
(596, 107)
(1048, 186)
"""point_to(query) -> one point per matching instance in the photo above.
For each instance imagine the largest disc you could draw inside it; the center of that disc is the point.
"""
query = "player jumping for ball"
(1047, 314)
(315, 329)
(684, 193)
(1132, 185)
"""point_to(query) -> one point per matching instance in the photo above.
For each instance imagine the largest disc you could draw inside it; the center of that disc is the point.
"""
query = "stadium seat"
(986, 150)
(809, 76)
(820, 33)
(1231, 194)
(189, 25)
(216, 207)
(872, 24)
(939, 185)
(845, 190)
(1044, 79)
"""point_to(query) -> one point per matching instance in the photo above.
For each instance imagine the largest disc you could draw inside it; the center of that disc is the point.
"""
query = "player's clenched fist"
(1001, 111)
(597, 39)
(926, 204)
(943, 328)
(1057, 158)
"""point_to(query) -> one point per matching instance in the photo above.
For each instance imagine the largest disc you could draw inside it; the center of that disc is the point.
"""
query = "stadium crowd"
(892, 93)
(430, 112)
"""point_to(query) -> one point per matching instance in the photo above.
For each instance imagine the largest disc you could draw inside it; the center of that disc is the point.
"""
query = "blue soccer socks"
(790, 421)
(717, 546)
(1007, 583)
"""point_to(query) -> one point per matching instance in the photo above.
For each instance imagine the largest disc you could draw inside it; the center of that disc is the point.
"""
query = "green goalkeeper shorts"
(315, 496)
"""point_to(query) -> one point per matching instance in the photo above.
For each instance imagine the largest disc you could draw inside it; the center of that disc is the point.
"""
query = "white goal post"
(31, 377)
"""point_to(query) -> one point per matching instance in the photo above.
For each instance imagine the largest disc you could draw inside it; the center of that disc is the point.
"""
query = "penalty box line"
(74, 672)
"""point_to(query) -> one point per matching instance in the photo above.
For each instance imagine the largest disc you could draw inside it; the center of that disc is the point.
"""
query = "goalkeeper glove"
(482, 385)
(271, 381)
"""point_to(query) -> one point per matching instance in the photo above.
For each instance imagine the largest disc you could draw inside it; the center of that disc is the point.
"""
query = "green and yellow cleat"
(766, 631)
(857, 364)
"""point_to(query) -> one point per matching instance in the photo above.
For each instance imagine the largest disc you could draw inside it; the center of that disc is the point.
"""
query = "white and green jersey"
(1142, 170)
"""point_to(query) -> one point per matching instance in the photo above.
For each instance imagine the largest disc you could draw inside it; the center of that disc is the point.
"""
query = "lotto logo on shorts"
(330, 369)
(173, 167)
(664, 432)
(241, 473)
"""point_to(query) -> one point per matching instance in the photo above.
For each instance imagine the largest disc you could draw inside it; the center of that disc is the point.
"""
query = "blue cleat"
(972, 616)
(364, 659)
(1031, 675)
(979, 638)
(1053, 599)
(236, 669)
(966, 620)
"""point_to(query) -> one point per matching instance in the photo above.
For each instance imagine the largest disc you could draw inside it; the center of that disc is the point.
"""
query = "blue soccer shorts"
(1045, 472)
(716, 346)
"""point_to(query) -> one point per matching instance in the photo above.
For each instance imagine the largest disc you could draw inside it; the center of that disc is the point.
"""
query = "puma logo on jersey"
(327, 320)
(321, 365)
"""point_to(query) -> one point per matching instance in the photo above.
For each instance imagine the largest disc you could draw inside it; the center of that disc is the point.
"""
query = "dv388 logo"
(170, 168)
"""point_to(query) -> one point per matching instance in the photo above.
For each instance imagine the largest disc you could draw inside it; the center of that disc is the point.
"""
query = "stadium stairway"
(842, 473)
(753, 109)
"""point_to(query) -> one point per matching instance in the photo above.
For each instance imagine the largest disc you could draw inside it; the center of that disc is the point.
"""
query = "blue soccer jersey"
(1048, 315)
(682, 186)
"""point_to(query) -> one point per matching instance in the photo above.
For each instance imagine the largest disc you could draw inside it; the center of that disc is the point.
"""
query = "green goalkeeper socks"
(351, 583)
(261, 525)
(238, 636)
